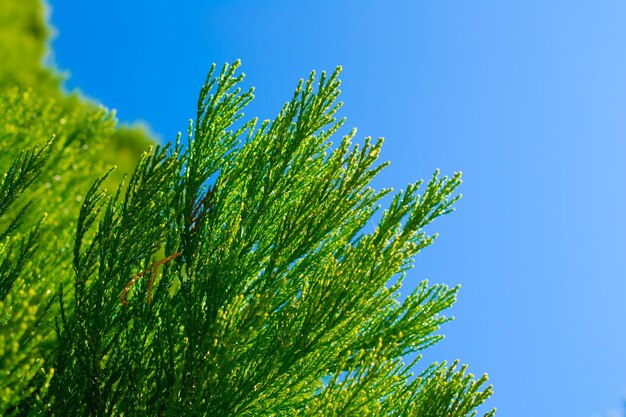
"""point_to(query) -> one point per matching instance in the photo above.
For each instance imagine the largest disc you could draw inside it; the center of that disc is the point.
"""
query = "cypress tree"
(230, 274)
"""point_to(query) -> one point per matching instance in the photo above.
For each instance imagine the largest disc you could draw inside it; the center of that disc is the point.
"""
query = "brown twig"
(152, 277)
(129, 284)
(154, 271)
(197, 215)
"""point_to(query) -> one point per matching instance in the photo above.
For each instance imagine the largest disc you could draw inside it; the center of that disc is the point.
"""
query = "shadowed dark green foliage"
(231, 274)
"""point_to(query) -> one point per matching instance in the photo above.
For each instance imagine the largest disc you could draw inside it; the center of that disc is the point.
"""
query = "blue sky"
(528, 99)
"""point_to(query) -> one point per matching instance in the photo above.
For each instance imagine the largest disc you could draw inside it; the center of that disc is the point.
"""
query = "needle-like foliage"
(244, 271)
(234, 276)
(51, 146)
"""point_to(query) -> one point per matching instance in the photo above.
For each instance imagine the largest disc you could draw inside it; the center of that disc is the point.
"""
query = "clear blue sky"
(527, 98)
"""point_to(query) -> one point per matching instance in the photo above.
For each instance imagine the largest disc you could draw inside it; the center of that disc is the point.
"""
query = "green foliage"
(23, 48)
(232, 274)
(269, 286)
(23, 36)
(46, 158)
(51, 146)
(19, 338)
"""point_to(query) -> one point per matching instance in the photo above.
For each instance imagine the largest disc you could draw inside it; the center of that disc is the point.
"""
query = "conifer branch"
(237, 274)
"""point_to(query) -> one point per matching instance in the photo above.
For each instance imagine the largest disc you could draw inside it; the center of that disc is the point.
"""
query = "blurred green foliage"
(52, 145)
(24, 38)
(23, 46)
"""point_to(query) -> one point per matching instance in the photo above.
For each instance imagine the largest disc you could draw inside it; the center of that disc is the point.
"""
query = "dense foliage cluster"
(231, 274)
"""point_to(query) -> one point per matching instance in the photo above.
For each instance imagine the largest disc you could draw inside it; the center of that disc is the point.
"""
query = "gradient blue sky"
(527, 98)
